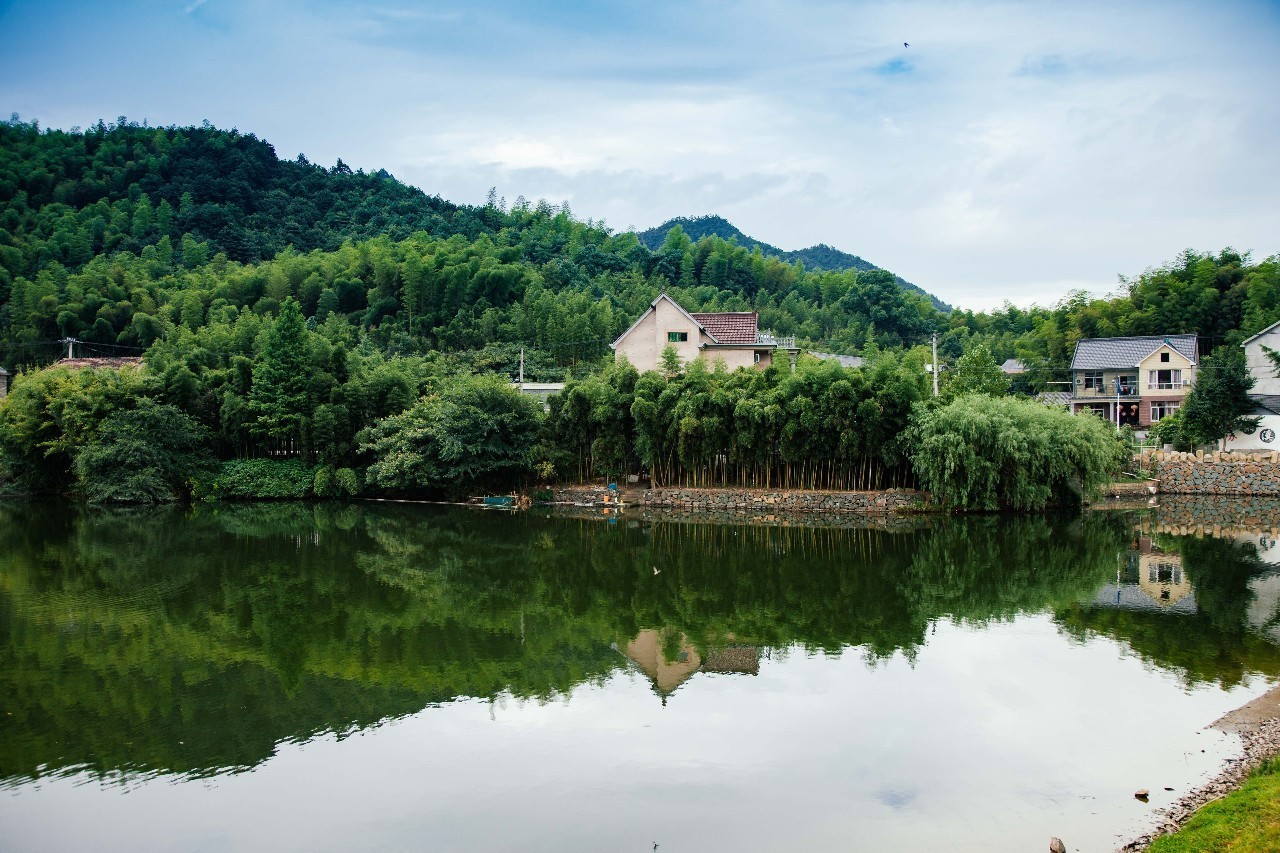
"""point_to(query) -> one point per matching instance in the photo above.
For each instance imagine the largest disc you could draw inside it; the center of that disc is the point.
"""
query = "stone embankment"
(1215, 473)
(784, 501)
(757, 501)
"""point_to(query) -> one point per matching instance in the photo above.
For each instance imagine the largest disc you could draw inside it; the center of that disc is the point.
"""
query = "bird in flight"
(904, 44)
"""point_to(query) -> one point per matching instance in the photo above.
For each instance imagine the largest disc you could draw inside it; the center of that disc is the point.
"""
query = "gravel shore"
(1258, 724)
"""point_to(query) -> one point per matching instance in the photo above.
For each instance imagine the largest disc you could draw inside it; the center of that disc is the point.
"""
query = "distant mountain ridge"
(820, 256)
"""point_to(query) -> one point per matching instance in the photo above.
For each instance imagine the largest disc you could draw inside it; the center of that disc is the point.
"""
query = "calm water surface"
(294, 677)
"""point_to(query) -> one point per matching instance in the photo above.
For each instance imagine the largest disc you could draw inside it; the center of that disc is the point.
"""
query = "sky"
(1008, 151)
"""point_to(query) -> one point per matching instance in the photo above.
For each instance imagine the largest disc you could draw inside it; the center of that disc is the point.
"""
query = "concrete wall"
(1265, 437)
(1218, 473)
(644, 344)
(735, 358)
(1260, 367)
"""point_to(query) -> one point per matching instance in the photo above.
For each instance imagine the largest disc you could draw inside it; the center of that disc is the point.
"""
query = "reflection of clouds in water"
(896, 799)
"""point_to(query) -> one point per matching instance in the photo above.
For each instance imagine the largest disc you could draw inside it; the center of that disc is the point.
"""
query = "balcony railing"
(1168, 386)
(772, 340)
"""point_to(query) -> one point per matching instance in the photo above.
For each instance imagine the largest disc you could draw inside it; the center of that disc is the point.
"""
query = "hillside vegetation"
(325, 316)
(819, 257)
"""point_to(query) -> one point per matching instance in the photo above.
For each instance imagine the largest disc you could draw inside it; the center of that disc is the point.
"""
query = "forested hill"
(224, 188)
(122, 235)
(129, 238)
(821, 256)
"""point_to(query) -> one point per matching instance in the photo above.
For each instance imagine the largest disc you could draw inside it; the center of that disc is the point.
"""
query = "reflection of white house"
(1265, 393)
(646, 651)
(1148, 579)
(733, 337)
(1263, 614)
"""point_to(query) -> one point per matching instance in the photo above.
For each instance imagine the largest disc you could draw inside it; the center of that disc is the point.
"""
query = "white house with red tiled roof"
(732, 336)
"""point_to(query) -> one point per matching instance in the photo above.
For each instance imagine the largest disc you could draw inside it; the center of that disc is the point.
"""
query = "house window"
(1164, 358)
(1164, 380)
(1127, 386)
(757, 356)
(1162, 410)
(677, 337)
(1093, 380)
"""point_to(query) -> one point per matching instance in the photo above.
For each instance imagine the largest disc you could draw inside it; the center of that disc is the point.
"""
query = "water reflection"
(138, 641)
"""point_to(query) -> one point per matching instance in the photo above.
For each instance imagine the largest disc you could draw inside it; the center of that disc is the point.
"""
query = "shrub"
(323, 484)
(145, 455)
(475, 432)
(989, 453)
(259, 479)
(346, 482)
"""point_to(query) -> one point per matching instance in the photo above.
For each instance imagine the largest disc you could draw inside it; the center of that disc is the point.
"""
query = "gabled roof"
(730, 327)
(1261, 333)
(1012, 365)
(652, 306)
(1103, 353)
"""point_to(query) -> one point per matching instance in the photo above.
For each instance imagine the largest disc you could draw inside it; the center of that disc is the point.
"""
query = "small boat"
(496, 501)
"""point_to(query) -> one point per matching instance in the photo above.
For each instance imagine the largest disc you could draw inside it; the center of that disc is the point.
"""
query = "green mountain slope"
(817, 257)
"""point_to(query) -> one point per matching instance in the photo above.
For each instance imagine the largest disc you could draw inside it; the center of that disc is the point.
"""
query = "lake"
(397, 677)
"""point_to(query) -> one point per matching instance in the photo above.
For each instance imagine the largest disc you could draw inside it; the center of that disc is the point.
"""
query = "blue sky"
(1015, 151)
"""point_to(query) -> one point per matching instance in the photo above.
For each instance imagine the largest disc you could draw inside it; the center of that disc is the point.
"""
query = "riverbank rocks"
(1215, 473)
(886, 501)
(1259, 740)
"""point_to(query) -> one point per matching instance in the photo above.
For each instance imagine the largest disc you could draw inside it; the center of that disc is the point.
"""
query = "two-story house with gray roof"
(1135, 381)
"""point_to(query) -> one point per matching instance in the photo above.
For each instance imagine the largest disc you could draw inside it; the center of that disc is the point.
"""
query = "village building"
(647, 651)
(1133, 381)
(4, 383)
(733, 337)
(1265, 393)
(1012, 367)
(1151, 580)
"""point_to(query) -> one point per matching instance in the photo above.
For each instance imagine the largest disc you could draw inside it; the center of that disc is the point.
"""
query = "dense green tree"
(279, 398)
(148, 454)
(992, 453)
(976, 372)
(469, 433)
(1219, 403)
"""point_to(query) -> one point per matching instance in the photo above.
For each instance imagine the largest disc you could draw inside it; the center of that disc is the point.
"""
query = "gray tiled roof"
(1012, 365)
(1270, 402)
(1055, 398)
(1103, 353)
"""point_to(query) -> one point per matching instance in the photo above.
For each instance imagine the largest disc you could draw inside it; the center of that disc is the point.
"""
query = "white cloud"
(1013, 149)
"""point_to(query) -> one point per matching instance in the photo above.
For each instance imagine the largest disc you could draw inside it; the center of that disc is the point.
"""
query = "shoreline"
(1257, 722)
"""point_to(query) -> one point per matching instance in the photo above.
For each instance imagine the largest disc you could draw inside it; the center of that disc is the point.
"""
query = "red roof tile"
(734, 327)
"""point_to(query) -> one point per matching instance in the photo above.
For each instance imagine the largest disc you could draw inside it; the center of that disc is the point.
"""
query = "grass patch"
(1245, 821)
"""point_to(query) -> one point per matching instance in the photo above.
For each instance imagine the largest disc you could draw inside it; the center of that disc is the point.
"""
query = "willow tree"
(993, 453)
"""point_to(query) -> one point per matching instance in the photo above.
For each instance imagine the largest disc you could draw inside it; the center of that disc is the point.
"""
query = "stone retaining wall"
(1216, 473)
(888, 501)
(1216, 515)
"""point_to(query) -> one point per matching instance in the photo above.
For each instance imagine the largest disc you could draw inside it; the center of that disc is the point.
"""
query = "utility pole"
(71, 343)
(935, 364)
(522, 367)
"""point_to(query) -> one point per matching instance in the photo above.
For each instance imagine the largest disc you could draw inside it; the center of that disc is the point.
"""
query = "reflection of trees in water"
(1214, 644)
(192, 642)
